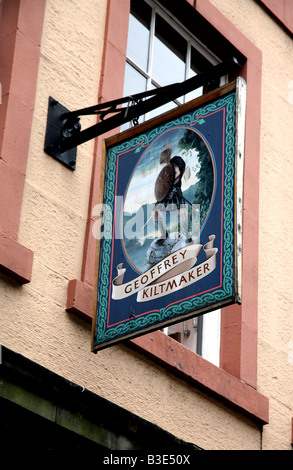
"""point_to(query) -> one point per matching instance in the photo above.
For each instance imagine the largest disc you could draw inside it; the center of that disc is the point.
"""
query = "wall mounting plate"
(57, 129)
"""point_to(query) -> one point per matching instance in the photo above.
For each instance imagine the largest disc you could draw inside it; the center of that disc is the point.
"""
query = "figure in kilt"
(169, 197)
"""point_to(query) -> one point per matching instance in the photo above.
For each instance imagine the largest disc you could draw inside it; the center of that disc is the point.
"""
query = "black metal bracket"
(64, 134)
(60, 127)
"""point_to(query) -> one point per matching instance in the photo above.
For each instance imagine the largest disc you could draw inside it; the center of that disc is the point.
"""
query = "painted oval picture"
(168, 198)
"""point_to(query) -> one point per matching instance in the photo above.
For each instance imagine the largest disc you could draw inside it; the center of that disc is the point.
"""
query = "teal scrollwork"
(105, 333)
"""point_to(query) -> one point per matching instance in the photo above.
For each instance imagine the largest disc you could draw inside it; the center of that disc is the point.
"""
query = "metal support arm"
(64, 134)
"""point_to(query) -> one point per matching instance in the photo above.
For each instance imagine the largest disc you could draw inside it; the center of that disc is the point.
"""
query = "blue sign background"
(124, 317)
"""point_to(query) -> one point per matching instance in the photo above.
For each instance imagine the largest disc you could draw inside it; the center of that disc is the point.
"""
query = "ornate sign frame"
(144, 280)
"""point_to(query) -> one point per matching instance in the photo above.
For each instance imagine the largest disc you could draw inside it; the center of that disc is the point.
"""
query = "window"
(161, 51)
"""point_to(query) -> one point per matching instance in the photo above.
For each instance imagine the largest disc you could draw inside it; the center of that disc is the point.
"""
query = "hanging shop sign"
(169, 222)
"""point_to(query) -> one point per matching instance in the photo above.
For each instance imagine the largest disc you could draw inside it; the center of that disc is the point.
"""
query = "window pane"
(194, 93)
(134, 82)
(138, 43)
(162, 109)
(186, 333)
(169, 54)
(211, 336)
(196, 65)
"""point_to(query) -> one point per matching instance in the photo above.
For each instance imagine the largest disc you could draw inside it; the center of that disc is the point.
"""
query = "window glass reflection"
(194, 93)
(134, 81)
(169, 54)
(138, 43)
(162, 109)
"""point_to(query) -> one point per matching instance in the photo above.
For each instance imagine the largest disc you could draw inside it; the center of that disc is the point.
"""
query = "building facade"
(154, 388)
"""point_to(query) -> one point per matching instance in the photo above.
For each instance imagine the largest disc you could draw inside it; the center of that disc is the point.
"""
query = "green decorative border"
(102, 334)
